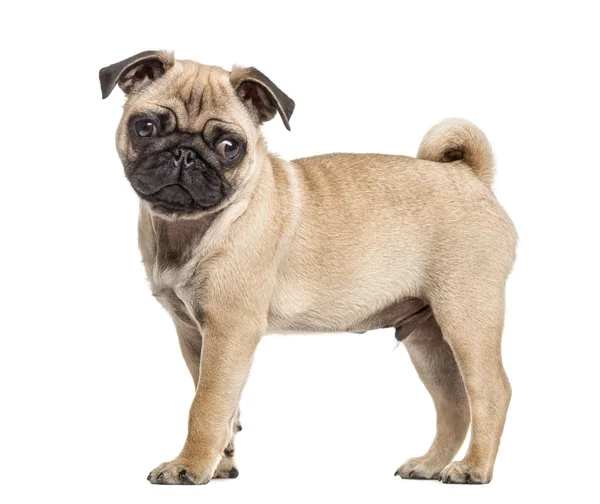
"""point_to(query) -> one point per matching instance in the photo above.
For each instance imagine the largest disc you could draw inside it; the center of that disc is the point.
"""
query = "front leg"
(227, 350)
(190, 342)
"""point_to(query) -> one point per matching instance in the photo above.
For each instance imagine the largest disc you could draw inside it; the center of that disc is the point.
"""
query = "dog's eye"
(146, 128)
(228, 149)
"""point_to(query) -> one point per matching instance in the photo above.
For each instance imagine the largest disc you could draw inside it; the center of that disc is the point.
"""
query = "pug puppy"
(238, 243)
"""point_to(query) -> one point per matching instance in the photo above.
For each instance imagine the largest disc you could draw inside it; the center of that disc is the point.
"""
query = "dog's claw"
(184, 478)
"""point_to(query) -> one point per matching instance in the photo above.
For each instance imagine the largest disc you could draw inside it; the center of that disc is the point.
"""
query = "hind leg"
(227, 468)
(437, 368)
(471, 318)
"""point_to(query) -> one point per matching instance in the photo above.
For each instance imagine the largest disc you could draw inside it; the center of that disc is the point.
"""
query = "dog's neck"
(176, 240)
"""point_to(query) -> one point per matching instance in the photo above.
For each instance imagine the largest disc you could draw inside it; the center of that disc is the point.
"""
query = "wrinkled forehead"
(195, 93)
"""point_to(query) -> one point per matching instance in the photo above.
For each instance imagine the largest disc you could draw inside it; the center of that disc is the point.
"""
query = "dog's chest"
(169, 255)
(169, 283)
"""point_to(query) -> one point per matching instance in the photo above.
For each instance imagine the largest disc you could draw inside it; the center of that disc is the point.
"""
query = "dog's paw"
(226, 468)
(419, 468)
(179, 472)
(463, 473)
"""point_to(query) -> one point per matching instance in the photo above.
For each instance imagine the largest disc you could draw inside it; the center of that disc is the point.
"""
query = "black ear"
(134, 72)
(263, 97)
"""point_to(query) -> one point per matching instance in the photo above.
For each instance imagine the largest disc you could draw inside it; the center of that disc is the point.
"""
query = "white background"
(94, 393)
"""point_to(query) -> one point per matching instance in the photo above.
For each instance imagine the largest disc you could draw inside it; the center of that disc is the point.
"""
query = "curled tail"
(458, 139)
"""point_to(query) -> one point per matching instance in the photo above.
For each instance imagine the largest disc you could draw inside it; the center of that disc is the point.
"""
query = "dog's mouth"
(177, 198)
(172, 197)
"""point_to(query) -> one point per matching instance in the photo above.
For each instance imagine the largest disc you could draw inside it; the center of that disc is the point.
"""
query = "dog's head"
(189, 137)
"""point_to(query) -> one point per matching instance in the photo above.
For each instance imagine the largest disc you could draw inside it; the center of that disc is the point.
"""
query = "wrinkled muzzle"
(178, 179)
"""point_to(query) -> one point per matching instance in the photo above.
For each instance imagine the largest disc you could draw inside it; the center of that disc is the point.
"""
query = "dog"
(237, 243)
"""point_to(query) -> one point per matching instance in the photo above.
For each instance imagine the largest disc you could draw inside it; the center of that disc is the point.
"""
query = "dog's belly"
(333, 316)
(356, 285)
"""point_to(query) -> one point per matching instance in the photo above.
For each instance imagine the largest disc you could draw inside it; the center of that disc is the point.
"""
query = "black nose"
(183, 157)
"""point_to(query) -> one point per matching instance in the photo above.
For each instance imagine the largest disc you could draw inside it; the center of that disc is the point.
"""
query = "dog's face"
(189, 137)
